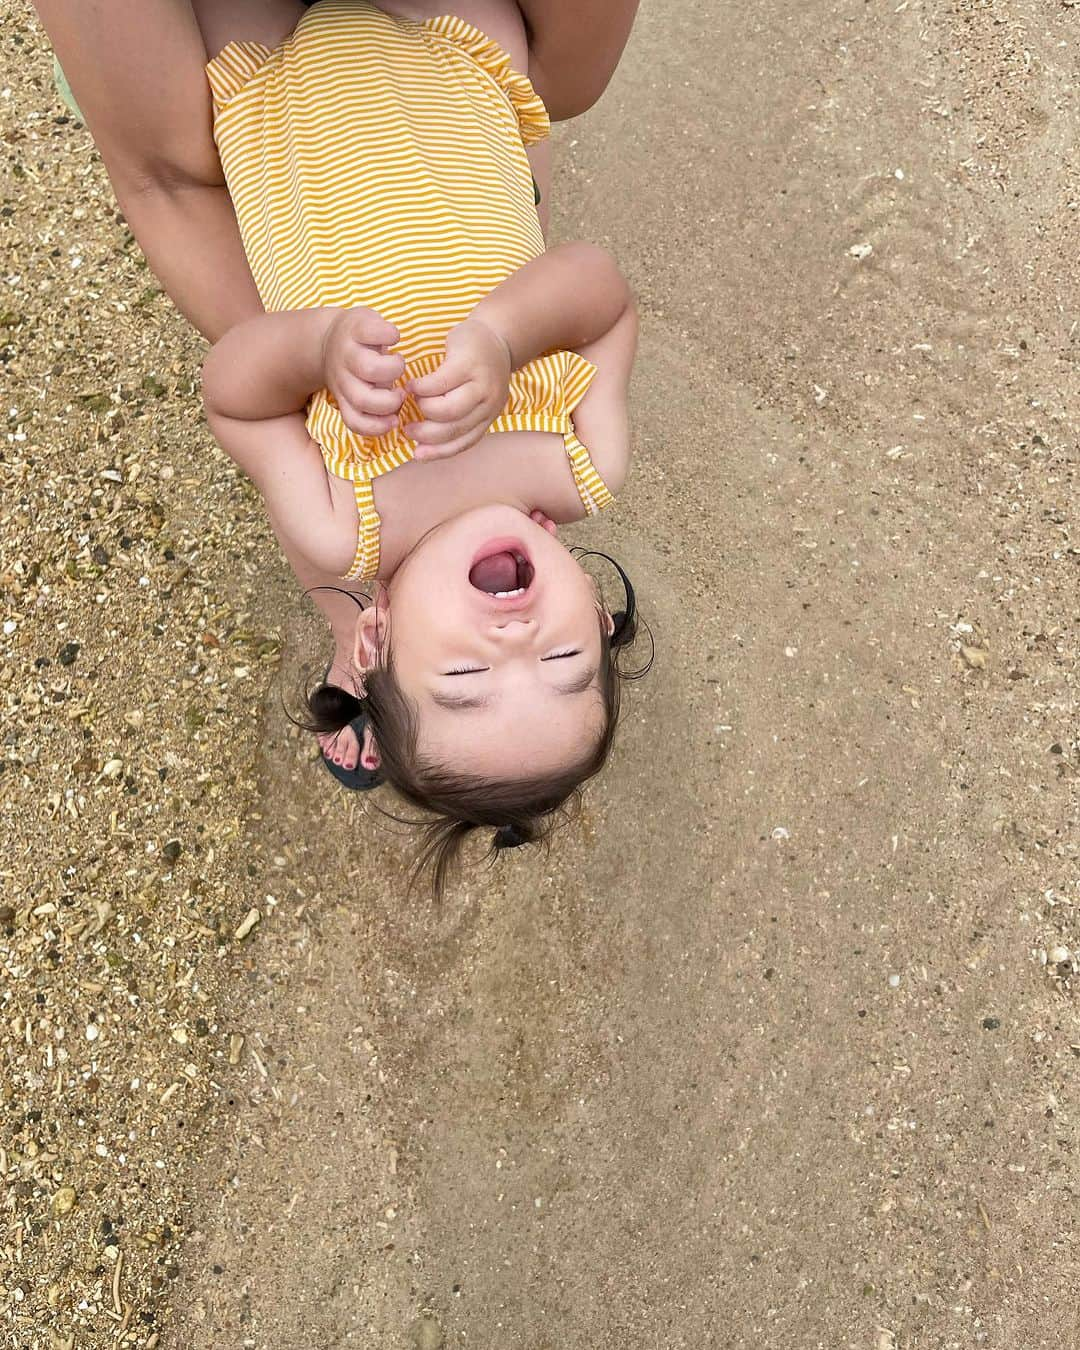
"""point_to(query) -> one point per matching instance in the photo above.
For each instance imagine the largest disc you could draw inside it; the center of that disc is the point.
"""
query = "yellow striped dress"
(377, 161)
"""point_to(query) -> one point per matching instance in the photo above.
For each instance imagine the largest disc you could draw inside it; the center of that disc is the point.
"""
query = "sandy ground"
(778, 1047)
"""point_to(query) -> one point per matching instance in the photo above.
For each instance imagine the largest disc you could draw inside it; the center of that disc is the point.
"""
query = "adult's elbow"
(137, 176)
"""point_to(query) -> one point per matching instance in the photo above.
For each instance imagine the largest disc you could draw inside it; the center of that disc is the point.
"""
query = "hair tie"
(510, 836)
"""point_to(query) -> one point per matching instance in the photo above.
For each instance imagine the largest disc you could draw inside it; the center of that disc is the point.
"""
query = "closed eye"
(466, 670)
(561, 656)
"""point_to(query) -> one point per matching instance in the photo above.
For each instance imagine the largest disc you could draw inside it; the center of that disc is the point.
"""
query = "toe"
(341, 747)
(350, 748)
(329, 746)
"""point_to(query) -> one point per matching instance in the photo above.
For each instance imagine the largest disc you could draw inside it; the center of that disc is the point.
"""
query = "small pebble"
(250, 920)
(63, 1202)
(974, 657)
(894, 981)
(426, 1334)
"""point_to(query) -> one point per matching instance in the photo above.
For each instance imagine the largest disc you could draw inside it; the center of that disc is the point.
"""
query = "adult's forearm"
(189, 236)
(565, 299)
(137, 69)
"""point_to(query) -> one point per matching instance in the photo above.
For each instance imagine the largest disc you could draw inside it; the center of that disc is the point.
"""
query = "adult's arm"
(137, 71)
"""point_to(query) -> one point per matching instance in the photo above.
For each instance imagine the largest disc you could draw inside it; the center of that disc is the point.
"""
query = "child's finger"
(373, 366)
(448, 376)
(377, 400)
(442, 433)
(372, 328)
(544, 521)
(426, 452)
(367, 398)
(451, 407)
(364, 424)
(467, 434)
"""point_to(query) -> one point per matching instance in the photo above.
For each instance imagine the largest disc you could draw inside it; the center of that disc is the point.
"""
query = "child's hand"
(461, 399)
(360, 372)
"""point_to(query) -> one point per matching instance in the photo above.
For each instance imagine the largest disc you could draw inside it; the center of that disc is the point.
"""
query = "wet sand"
(775, 1048)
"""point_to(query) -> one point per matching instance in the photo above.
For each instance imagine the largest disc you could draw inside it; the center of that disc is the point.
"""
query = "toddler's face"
(496, 639)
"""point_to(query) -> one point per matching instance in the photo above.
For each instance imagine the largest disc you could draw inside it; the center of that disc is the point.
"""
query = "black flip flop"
(358, 779)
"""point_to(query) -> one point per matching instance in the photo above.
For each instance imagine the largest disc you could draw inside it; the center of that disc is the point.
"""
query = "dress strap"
(368, 525)
(592, 489)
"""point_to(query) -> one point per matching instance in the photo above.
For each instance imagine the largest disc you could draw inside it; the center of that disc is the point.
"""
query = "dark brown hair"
(521, 810)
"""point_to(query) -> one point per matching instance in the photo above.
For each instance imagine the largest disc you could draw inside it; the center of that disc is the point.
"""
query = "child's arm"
(566, 299)
(602, 418)
(269, 366)
(256, 383)
(563, 300)
(136, 68)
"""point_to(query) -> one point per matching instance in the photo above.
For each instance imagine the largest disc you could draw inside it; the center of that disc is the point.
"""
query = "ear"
(369, 751)
(372, 626)
(609, 623)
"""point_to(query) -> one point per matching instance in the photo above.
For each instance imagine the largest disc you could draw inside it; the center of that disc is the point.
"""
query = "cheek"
(422, 589)
(425, 619)
(422, 630)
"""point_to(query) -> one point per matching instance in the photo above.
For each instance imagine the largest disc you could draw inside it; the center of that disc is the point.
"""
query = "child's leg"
(500, 20)
(568, 48)
(574, 47)
(266, 21)
(540, 163)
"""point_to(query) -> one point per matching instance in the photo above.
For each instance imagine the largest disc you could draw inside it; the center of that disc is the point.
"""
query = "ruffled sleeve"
(527, 104)
(233, 68)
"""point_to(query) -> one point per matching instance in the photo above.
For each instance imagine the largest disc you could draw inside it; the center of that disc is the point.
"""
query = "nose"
(514, 631)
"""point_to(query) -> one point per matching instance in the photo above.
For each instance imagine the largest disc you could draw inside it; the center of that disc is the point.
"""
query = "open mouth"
(502, 571)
